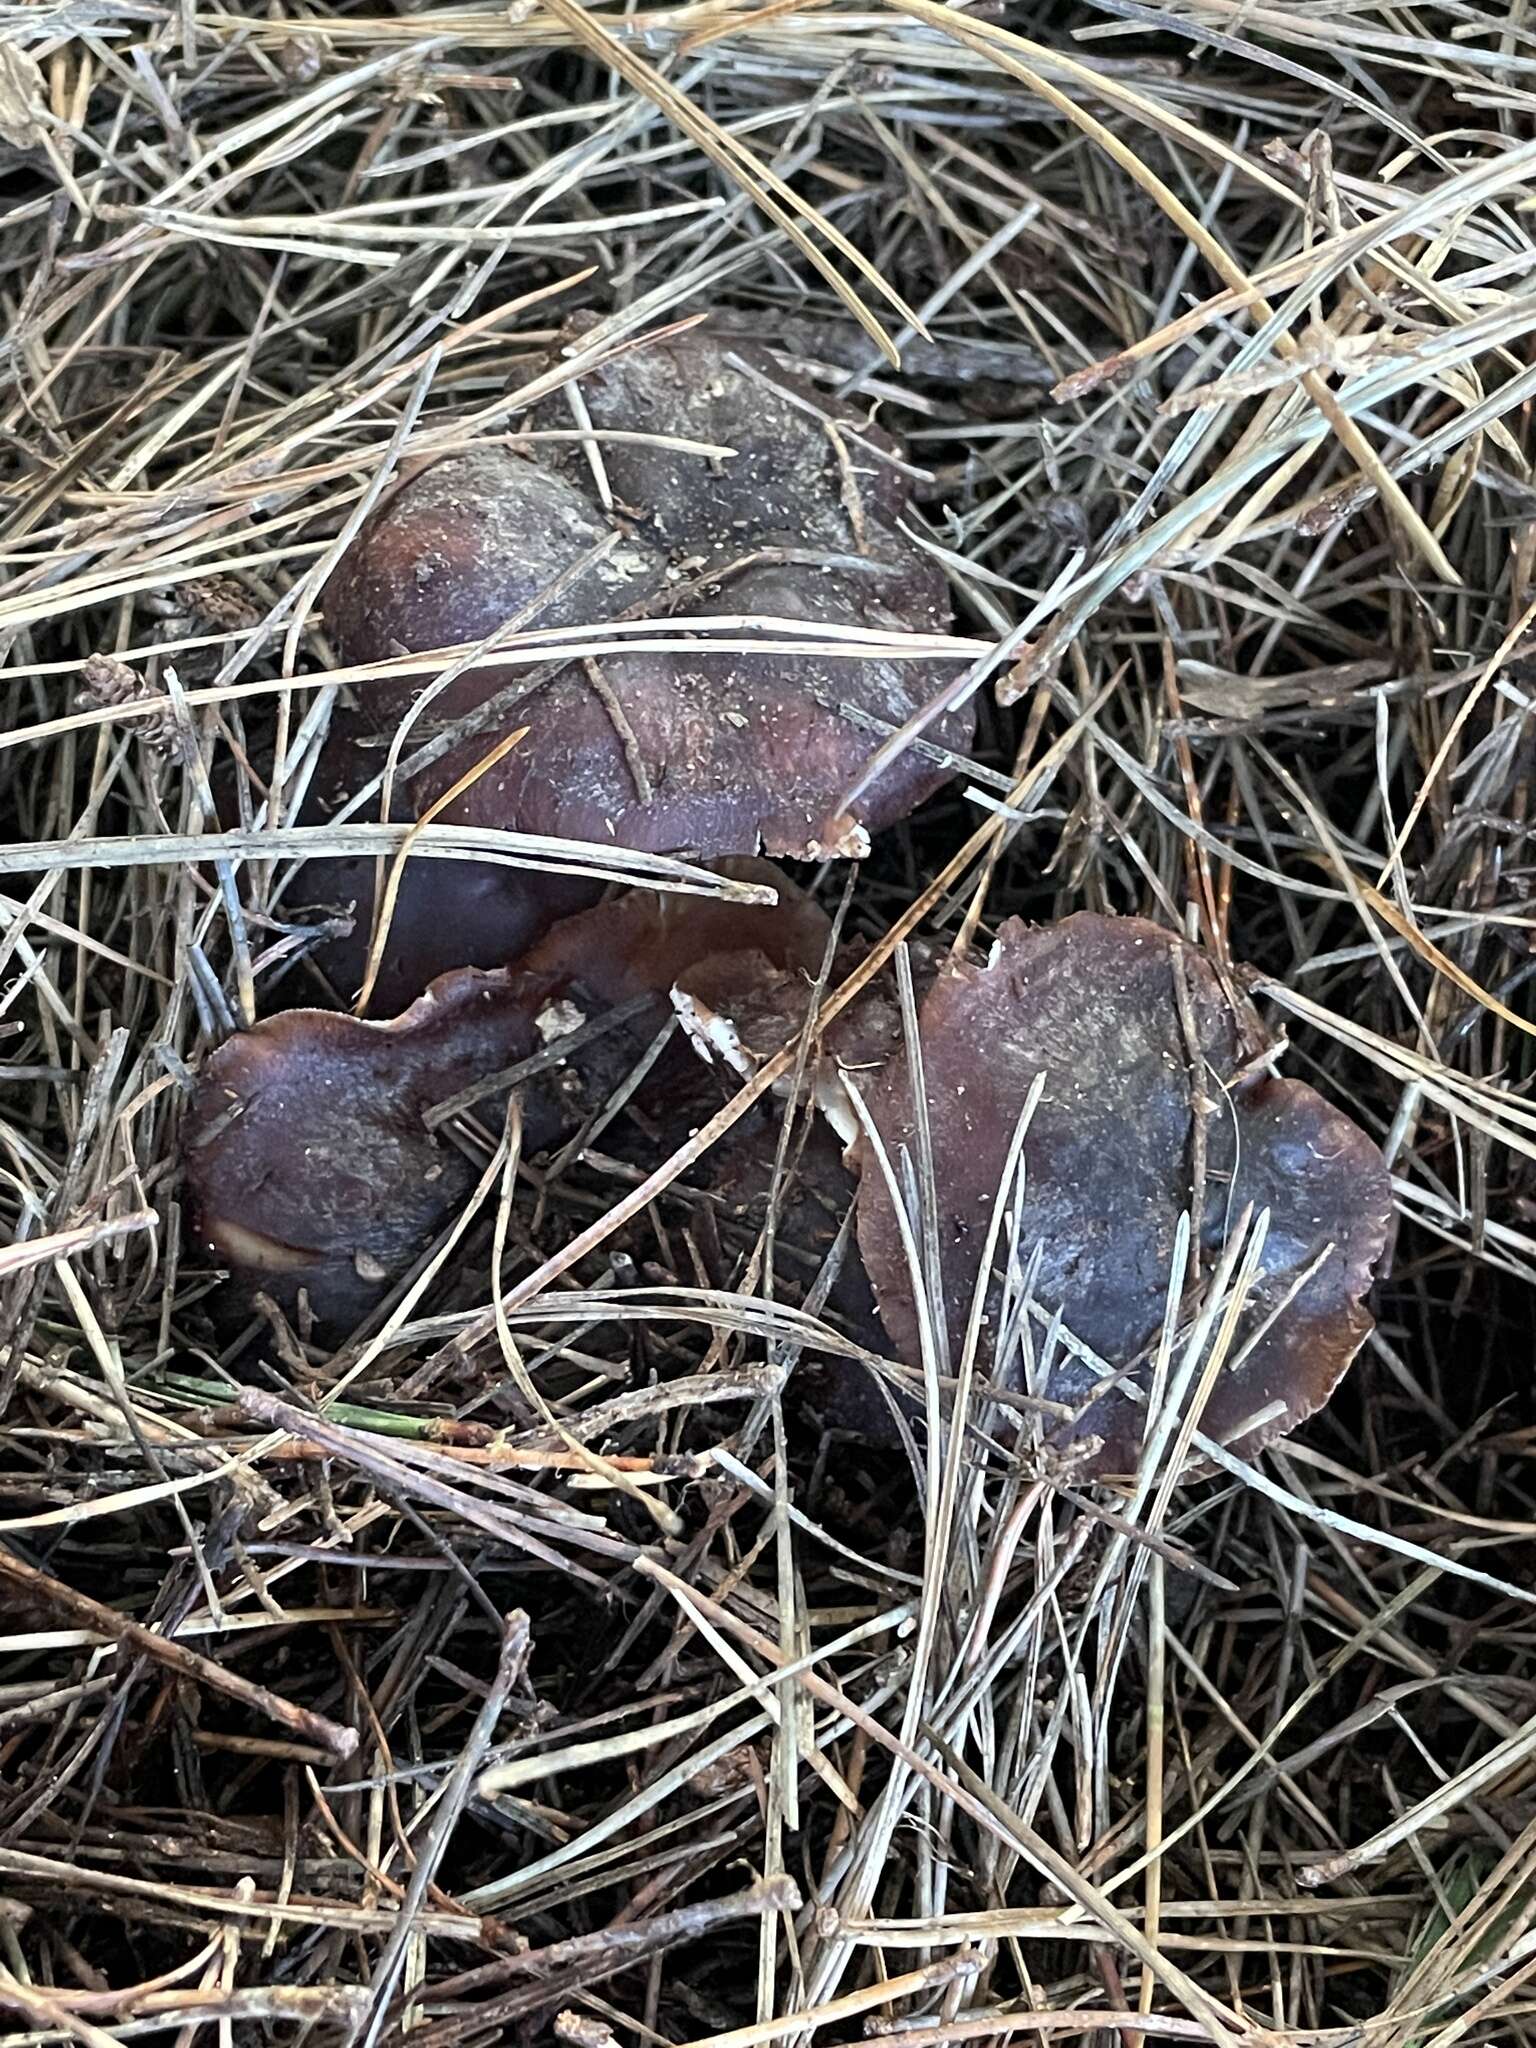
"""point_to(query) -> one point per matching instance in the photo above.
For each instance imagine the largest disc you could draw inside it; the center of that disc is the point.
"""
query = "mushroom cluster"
(706, 482)
(702, 483)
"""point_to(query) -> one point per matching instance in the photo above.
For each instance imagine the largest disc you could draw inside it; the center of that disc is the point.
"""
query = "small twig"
(619, 718)
(566, 1967)
(331, 1736)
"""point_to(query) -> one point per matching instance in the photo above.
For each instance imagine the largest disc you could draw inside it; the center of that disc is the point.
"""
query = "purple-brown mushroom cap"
(1093, 1004)
(460, 547)
(731, 393)
(307, 1156)
(642, 942)
(697, 750)
(720, 753)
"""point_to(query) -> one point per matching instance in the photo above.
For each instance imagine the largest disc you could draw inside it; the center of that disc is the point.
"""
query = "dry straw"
(400, 1695)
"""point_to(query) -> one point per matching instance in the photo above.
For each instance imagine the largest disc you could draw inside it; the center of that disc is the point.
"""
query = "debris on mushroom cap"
(717, 753)
(728, 392)
(462, 546)
(1093, 1003)
(309, 1157)
(737, 1009)
(696, 751)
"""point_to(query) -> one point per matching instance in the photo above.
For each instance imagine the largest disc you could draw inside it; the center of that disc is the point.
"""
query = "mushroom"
(311, 1154)
(643, 942)
(1132, 1113)
(681, 750)
(1148, 1085)
(307, 1156)
(741, 1011)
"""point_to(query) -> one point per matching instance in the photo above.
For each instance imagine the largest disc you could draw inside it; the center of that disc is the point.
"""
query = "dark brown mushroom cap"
(708, 753)
(307, 1153)
(1092, 1003)
(736, 751)
(641, 942)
